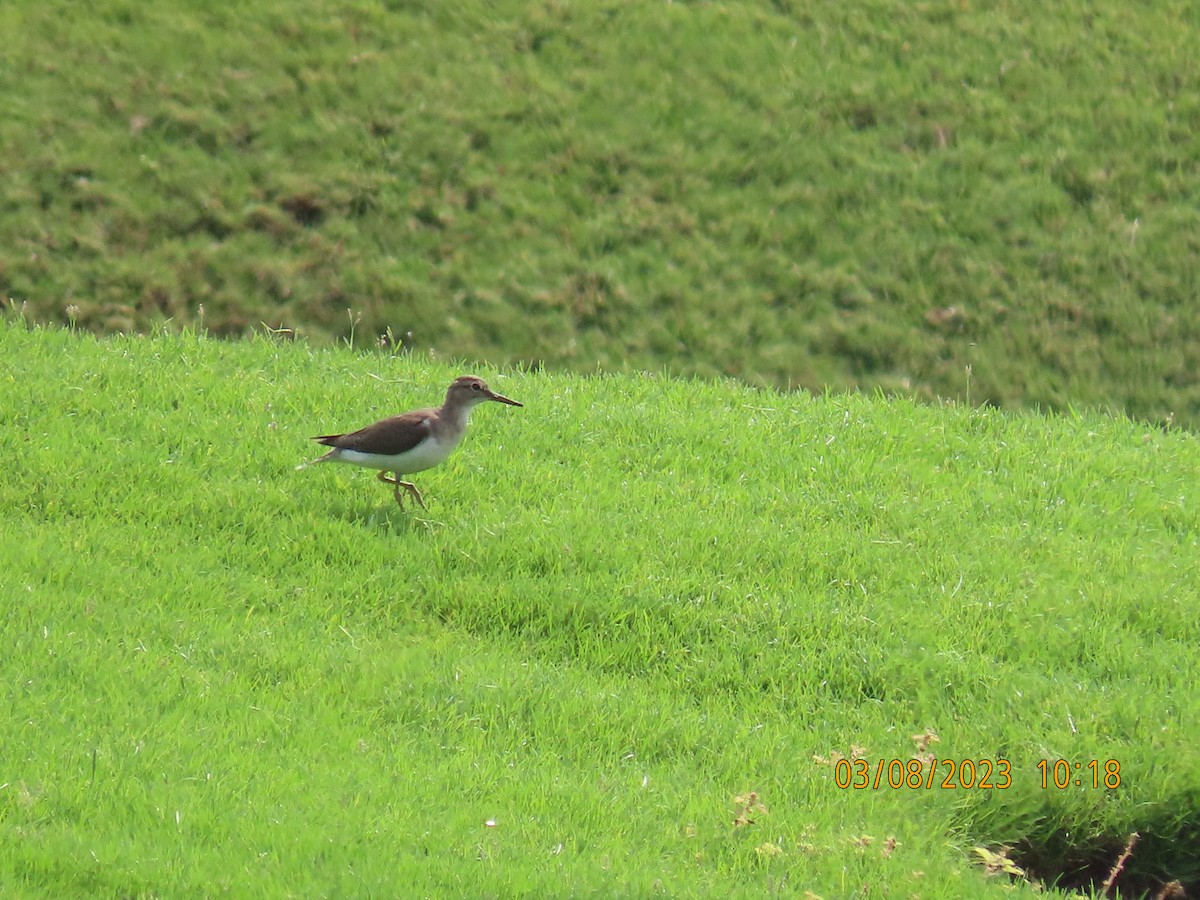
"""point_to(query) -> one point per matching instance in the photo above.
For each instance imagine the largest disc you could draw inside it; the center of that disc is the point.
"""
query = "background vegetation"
(632, 604)
(988, 199)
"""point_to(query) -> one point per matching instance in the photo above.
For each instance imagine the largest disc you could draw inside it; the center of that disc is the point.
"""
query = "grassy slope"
(633, 600)
(793, 195)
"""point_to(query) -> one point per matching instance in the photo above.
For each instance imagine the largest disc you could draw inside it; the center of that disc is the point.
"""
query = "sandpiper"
(413, 441)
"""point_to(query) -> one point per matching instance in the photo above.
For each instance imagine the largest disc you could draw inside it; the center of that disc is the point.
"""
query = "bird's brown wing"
(389, 437)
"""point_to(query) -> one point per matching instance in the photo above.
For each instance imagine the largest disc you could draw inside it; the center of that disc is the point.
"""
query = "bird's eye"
(476, 387)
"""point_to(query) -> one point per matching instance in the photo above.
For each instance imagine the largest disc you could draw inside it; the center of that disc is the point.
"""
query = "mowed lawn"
(643, 635)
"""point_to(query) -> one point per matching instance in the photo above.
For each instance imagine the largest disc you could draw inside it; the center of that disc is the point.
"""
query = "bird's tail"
(313, 462)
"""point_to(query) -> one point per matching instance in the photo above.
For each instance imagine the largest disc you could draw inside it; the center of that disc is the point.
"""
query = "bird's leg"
(383, 476)
(407, 485)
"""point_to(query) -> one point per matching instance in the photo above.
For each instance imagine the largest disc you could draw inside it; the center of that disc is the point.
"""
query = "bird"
(412, 441)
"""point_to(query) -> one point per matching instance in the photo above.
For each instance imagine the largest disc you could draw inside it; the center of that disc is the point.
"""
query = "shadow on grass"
(385, 517)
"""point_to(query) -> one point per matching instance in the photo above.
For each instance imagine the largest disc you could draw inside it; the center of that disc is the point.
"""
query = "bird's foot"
(407, 485)
(412, 492)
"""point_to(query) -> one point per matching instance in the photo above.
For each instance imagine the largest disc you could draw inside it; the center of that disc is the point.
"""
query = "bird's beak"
(499, 398)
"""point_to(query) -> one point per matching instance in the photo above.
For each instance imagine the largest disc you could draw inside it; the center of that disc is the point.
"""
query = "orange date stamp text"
(917, 774)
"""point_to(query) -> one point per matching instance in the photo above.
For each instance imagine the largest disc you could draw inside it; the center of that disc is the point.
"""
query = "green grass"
(629, 603)
(881, 193)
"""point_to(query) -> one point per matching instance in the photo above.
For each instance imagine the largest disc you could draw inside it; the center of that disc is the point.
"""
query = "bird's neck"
(456, 416)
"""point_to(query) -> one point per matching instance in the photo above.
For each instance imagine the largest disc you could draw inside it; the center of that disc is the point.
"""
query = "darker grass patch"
(840, 205)
(307, 209)
(1160, 860)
